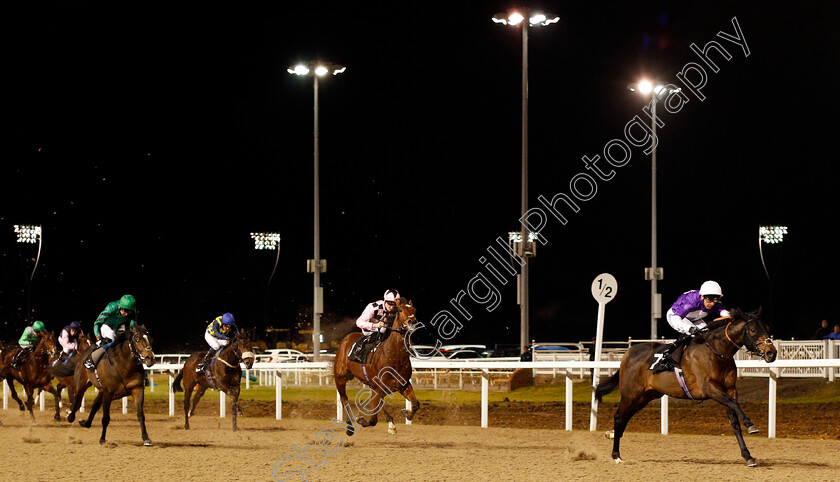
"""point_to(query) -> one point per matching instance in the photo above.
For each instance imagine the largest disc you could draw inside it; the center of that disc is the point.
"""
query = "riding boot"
(17, 360)
(95, 355)
(666, 359)
(204, 361)
(359, 350)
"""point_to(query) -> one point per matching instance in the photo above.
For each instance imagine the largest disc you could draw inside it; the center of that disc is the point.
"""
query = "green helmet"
(38, 326)
(127, 303)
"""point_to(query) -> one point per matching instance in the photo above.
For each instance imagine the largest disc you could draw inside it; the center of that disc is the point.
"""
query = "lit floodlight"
(514, 18)
(27, 233)
(772, 234)
(265, 240)
(321, 70)
(339, 70)
(542, 19)
(645, 87)
(298, 70)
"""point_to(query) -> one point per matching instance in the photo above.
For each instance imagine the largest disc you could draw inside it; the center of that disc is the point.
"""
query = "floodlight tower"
(317, 265)
(517, 18)
(30, 234)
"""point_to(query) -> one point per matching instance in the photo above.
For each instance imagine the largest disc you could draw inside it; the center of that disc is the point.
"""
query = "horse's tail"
(607, 385)
(176, 384)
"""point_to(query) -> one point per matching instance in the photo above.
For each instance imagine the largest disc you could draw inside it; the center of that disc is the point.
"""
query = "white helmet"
(710, 288)
(391, 295)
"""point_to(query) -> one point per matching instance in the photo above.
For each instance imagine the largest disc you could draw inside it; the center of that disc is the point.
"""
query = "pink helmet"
(391, 295)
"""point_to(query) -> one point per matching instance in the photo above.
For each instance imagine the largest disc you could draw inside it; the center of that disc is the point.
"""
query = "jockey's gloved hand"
(693, 330)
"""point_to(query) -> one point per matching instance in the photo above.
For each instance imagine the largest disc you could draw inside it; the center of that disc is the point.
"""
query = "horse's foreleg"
(234, 406)
(75, 396)
(727, 399)
(408, 393)
(137, 394)
(57, 399)
(374, 401)
(736, 429)
(106, 414)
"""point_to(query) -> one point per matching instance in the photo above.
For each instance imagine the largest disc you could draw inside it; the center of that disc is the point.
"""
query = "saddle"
(668, 363)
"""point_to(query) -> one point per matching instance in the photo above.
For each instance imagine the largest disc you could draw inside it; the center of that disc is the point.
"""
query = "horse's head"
(83, 343)
(405, 314)
(142, 344)
(49, 345)
(756, 336)
(242, 348)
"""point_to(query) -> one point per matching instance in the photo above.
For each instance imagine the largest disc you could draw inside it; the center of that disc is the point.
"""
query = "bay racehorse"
(34, 372)
(118, 373)
(385, 371)
(223, 373)
(63, 370)
(709, 374)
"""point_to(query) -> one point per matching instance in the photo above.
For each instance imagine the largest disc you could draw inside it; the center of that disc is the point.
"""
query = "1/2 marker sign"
(604, 288)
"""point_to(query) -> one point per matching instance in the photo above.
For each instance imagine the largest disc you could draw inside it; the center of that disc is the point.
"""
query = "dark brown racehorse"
(225, 372)
(34, 373)
(63, 371)
(709, 370)
(119, 373)
(387, 370)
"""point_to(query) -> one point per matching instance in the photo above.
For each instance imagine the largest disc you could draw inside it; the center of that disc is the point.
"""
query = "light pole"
(653, 273)
(317, 265)
(769, 234)
(516, 19)
(30, 234)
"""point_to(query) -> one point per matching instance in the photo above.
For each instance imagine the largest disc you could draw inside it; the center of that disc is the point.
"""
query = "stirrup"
(89, 364)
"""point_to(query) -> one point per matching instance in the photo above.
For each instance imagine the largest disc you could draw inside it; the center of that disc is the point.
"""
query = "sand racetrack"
(211, 451)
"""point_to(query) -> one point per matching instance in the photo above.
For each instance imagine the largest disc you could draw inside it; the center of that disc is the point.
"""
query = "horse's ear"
(758, 311)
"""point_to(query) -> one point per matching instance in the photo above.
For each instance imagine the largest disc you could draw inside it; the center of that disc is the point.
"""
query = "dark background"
(149, 140)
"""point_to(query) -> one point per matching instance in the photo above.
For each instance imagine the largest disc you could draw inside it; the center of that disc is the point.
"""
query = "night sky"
(149, 141)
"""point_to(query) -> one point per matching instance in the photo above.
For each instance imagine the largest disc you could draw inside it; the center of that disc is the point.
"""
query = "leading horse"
(387, 370)
(34, 373)
(224, 372)
(118, 373)
(709, 373)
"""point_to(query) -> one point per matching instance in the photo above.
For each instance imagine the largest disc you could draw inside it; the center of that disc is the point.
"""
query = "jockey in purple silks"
(687, 316)
(373, 322)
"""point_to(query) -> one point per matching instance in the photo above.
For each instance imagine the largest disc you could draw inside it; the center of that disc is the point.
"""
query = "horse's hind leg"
(627, 407)
(30, 399)
(57, 398)
(234, 406)
(341, 387)
(97, 402)
(106, 414)
(188, 389)
(11, 381)
(196, 397)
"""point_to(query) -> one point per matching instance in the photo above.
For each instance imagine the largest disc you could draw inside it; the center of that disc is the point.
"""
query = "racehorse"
(222, 373)
(709, 373)
(387, 370)
(119, 373)
(34, 373)
(63, 372)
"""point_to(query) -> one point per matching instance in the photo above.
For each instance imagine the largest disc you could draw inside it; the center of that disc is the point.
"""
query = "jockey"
(110, 325)
(687, 316)
(373, 322)
(217, 337)
(28, 341)
(69, 339)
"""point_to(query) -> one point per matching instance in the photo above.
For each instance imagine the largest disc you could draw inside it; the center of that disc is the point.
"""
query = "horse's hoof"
(392, 429)
(57, 418)
(609, 434)
(618, 460)
(102, 441)
(147, 443)
(70, 418)
(751, 463)
(84, 424)
(752, 429)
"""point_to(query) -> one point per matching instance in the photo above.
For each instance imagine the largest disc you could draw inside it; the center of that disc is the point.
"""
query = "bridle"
(748, 341)
(139, 354)
(240, 358)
